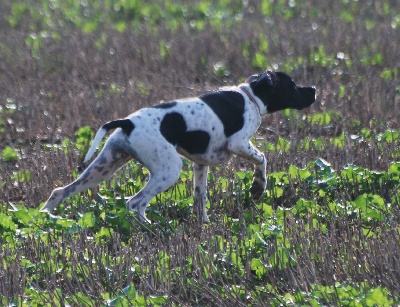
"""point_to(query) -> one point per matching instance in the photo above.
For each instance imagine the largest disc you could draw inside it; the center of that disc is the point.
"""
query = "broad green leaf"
(303, 204)
(120, 26)
(268, 146)
(258, 267)
(158, 300)
(22, 217)
(321, 119)
(8, 154)
(394, 169)
(22, 176)
(104, 232)
(301, 173)
(87, 220)
(371, 201)
(65, 223)
(89, 26)
(6, 222)
(267, 210)
(389, 136)
(319, 143)
(283, 145)
(378, 297)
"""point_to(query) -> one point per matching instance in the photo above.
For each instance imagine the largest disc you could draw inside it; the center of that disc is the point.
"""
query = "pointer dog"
(208, 130)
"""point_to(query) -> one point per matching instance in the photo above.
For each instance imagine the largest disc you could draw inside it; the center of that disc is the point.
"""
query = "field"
(326, 231)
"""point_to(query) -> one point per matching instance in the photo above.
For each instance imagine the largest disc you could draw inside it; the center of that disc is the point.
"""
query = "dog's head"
(278, 91)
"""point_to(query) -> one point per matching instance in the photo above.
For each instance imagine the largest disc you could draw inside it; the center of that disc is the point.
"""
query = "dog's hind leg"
(164, 172)
(110, 159)
(200, 191)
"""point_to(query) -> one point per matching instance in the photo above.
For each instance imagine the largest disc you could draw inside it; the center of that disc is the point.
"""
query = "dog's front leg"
(250, 153)
(200, 191)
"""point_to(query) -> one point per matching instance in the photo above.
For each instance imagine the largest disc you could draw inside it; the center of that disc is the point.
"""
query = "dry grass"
(74, 83)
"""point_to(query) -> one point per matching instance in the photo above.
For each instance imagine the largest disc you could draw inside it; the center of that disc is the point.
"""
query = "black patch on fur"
(278, 91)
(125, 124)
(165, 105)
(173, 127)
(229, 107)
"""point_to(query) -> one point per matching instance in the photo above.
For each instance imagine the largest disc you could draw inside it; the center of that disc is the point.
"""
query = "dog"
(208, 130)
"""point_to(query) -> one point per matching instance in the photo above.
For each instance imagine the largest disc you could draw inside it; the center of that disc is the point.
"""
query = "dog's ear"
(252, 78)
(262, 80)
(265, 79)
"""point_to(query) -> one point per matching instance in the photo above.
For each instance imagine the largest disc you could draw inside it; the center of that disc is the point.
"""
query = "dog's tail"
(125, 124)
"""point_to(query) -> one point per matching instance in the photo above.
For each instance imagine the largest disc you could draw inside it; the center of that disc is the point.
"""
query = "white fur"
(146, 144)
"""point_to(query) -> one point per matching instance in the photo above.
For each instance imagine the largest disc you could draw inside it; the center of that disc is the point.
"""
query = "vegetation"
(326, 231)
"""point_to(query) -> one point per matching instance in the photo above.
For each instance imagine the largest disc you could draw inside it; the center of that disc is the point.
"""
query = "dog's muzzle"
(306, 97)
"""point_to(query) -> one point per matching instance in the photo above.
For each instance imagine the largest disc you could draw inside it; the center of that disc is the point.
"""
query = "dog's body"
(208, 130)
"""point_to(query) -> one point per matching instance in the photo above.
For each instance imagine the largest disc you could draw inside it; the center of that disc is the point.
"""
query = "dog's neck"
(262, 109)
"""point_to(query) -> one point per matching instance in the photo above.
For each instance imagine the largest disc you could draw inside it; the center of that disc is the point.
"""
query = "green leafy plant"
(8, 154)
(325, 232)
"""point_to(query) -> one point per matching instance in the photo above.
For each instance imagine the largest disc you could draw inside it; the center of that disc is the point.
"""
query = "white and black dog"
(208, 130)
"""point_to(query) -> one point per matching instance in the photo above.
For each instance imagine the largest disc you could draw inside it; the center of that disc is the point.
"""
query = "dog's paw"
(140, 215)
(56, 197)
(142, 218)
(201, 214)
(257, 188)
(205, 219)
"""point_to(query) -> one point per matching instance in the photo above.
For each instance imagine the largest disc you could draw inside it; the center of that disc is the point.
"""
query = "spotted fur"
(208, 130)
